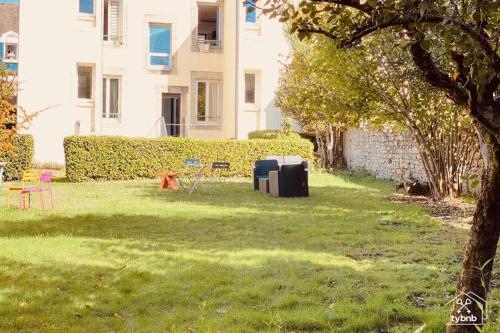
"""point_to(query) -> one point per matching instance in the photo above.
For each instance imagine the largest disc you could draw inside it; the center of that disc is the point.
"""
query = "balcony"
(208, 31)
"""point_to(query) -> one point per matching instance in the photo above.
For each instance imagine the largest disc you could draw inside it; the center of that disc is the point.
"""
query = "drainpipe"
(18, 59)
(237, 68)
(98, 102)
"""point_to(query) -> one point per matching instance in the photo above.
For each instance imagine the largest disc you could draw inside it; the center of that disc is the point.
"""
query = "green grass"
(123, 257)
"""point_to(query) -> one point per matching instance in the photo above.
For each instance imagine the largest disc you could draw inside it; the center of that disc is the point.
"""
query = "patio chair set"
(282, 176)
(194, 180)
(33, 182)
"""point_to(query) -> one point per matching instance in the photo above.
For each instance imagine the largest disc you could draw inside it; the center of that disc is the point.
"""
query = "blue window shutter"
(1, 50)
(159, 38)
(251, 12)
(87, 6)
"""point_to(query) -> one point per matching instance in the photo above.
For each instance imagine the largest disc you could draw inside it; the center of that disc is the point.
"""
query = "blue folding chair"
(195, 181)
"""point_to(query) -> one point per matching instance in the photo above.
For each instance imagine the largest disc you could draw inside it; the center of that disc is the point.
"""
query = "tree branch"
(356, 4)
(434, 76)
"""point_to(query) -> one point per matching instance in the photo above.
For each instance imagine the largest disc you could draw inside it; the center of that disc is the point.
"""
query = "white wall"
(51, 46)
(263, 47)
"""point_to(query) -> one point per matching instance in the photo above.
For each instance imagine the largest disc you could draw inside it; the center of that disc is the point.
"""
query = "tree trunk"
(330, 144)
(477, 265)
(321, 149)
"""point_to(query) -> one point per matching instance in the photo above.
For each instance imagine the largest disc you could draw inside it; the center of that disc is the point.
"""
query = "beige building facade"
(152, 68)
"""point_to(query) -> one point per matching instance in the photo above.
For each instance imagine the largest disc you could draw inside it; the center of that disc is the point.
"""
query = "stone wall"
(386, 155)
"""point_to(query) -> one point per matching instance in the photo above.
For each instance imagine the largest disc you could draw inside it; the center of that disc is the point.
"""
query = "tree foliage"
(455, 45)
(7, 110)
(324, 87)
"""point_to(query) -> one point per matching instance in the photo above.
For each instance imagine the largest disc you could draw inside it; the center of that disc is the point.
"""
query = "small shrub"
(21, 159)
(121, 158)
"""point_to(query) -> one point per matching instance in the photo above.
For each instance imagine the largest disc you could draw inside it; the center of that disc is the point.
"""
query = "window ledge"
(113, 43)
(251, 108)
(111, 123)
(197, 49)
(85, 103)
(252, 26)
(160, 69)
(202, 126)
(86, 17)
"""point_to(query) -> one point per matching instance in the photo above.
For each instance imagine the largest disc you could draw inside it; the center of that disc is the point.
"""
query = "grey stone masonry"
(386, 155)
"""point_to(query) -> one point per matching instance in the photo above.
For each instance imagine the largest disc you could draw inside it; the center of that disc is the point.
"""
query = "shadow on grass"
(65, 283)
(230, 260)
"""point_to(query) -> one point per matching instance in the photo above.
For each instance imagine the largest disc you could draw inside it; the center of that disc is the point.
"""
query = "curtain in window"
(85, 82)
(87, 6)
(104, 98)
(213, 101)
(202, 101)
(113, 98)
(250, 88)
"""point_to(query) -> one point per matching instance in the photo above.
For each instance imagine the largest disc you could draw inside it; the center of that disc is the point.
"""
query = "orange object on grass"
(169, 180)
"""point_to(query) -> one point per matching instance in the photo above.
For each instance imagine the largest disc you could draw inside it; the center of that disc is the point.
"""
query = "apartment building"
(193, 68)
(9, 28)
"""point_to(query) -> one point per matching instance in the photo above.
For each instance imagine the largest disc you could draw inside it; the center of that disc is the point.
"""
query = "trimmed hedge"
(21, 159)
(122, 158)
(272, 135)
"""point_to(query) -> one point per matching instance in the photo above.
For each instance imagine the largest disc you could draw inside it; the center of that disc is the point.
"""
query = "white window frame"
(207, 102)
(92, 89)
(107, 79)
(86, 15)
(255, 85)
(248, 23)
(119, 38)
(252, 106)
(5, 59)
(156, 54)
(219, 24)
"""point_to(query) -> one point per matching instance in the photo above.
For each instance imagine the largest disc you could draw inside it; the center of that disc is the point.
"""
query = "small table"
(169, 180)
(264, 184)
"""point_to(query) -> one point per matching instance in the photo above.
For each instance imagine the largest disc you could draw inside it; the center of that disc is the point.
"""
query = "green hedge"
(21, 159)
(272, 135)
(119, 158)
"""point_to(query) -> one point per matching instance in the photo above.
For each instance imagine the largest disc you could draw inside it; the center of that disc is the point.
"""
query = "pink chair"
(45, 178)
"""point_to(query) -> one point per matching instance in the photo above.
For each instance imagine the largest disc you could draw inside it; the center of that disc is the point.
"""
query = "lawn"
(123, 257)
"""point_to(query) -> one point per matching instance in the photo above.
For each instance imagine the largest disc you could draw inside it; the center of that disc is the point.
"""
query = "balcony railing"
(205, 45)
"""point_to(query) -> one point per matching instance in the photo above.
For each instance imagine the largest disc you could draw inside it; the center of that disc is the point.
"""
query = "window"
(208, 26)
(10, 52)
(86, 7)
(249, 88)
(159, 44)
(85, 86)
(251, 12)
(112, 20)
(207, 101)
(111, 98)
